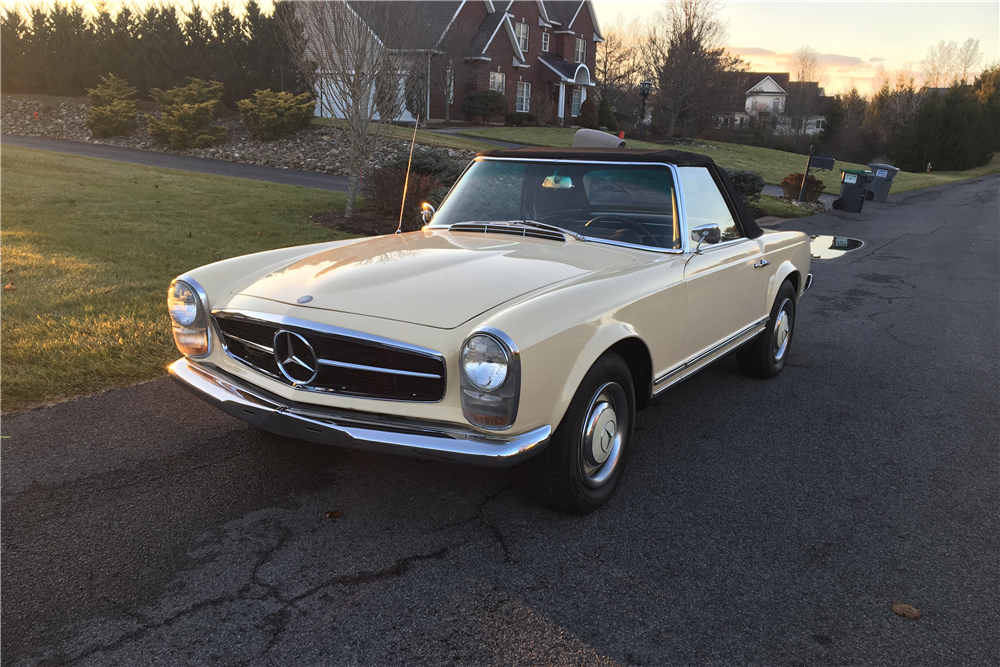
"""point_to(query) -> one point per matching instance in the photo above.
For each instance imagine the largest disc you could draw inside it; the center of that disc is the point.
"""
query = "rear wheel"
(765, 355)
(585, 459)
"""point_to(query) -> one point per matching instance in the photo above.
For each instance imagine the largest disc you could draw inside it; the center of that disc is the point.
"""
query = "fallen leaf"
(9, 286)
(189, 234)
(258, 233)
(334, 514)
(107, 291)
(906, 610)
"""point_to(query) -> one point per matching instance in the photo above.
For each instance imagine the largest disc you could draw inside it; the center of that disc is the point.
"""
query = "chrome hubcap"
(603, 433)
(782, 331)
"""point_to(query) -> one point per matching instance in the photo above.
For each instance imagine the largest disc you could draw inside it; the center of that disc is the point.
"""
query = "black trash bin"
(854, 184)
(882, 180)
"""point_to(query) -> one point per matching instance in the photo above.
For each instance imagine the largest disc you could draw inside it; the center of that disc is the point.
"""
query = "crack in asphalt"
(278, 620)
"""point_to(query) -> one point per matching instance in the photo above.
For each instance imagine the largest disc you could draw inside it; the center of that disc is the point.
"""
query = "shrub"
(485, 103)
(513, 118)
(270, 115)
(749, 184)
(588, 114)
(187, 113)
(196, 91)
(112, 107)
(428, 163)
(793, 183)
(605, 117)
(384, 189)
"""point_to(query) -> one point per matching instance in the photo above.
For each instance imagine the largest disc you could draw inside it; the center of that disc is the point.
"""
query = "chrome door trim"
(677, 373)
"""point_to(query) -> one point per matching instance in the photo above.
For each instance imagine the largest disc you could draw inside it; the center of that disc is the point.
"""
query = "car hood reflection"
(433, 278)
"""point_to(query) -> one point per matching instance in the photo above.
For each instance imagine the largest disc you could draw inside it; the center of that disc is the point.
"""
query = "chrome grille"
(348, 365)
(504, 228)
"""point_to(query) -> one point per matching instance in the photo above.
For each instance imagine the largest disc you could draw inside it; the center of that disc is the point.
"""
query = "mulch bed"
(363, 223)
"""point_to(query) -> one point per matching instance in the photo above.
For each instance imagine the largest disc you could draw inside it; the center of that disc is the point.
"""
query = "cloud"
(876, 60)
(750, 51)
(835, 60)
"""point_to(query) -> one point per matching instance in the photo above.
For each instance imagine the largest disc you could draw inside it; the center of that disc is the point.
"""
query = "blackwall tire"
(765, 355)
(583, 464)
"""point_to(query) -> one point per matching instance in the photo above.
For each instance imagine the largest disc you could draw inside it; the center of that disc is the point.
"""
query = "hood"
(433, 278)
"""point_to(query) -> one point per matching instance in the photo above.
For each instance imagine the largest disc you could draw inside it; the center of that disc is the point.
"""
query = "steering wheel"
(634, 226)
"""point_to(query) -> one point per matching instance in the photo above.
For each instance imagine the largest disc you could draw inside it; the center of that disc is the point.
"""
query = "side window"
(704, 203)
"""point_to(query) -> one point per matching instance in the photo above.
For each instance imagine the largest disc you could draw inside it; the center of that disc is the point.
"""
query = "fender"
(785, 269)
(606, 336)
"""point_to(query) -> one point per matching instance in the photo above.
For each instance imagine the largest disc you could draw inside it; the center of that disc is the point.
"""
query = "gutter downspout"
(427, 112)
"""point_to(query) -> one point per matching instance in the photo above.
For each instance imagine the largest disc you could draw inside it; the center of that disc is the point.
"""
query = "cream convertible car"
(554, 294)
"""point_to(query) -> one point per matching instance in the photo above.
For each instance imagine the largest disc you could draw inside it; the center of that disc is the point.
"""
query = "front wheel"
(765, 355)
(584, 461)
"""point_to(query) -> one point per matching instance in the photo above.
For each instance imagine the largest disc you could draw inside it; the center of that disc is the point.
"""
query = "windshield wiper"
(545, 225)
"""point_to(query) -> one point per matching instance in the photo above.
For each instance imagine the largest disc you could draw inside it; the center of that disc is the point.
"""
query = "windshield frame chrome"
(677, 189)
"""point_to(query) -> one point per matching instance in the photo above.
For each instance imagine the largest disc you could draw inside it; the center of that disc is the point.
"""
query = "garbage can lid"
(859, 172)
(879, 165)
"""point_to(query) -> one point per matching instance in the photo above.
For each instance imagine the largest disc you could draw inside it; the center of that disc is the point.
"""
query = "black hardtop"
(679, 158)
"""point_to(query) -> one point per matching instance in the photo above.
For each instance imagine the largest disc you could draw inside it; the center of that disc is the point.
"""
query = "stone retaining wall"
(316, 149)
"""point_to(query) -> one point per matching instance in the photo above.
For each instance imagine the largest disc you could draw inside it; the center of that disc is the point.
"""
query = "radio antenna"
(406, 183)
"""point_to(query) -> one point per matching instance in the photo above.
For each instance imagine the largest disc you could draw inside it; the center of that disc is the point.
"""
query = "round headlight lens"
(484, 362)
(182, 304)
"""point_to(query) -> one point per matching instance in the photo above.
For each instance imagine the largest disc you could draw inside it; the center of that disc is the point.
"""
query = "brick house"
(540, 54)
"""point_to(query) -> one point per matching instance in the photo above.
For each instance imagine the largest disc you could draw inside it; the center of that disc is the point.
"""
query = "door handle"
(762, 263)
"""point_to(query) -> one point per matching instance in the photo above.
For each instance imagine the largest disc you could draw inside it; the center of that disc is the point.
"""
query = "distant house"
(789, 107)
(540, 54)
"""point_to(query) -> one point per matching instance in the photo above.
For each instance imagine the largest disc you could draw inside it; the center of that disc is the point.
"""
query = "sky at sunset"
(851, 38)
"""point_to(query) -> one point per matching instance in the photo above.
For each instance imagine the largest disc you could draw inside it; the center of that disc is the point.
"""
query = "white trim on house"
(576, 73)
(762, 90)
(448, 27)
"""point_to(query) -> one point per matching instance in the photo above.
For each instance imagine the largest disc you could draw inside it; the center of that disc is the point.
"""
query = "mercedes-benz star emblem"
(295, 356)
(607, 437)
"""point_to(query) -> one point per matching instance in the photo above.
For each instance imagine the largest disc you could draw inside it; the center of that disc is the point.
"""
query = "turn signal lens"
(188, 318)
(490, 379)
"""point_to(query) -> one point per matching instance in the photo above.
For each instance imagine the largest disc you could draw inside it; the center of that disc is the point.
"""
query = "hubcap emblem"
(607, 437)
(296, 358)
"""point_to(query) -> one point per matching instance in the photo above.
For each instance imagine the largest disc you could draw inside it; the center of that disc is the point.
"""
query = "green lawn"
(423, 136)
(773, 165)
(781, 208)
(89, 247)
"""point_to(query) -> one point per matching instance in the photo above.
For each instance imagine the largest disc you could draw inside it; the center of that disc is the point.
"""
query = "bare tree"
(805, 66)
(939, 65)
(684, 55)
(618, 65)
(967, 59)
(353, 63)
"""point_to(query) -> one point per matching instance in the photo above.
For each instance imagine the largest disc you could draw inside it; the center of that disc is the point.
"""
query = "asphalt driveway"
(759, 523)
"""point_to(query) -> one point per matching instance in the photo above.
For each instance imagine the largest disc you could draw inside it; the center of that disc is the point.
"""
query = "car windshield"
(616, 202)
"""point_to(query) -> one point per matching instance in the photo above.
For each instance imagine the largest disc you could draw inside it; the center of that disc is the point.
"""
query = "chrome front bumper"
(354, 430)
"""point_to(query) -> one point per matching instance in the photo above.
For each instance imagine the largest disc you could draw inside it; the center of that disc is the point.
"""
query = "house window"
(820, 124)
(545, 42)
(523, 96)
(498, 80)
(581, 50)
(521, 31)
(577, 100)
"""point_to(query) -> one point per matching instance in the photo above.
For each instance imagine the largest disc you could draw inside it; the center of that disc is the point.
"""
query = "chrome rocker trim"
(354, 430)
(692, 366)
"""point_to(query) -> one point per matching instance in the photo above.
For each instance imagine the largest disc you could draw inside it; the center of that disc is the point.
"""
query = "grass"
(423, 136)
(779, 207)
(773, 165)
(89, 247)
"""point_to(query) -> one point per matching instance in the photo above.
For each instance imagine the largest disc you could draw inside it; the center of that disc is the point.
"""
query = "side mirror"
(710, 233)
(427, 212)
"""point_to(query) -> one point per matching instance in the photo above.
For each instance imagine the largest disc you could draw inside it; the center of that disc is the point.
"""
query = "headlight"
(484, 362)
(490, 374)
(182, 304)
(189, 319)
